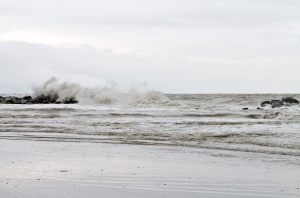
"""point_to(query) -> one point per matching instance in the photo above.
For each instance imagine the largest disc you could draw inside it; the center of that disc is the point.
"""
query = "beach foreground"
(73, 169)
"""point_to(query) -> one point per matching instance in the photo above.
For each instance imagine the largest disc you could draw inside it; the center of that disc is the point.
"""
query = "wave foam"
(276, 115)
(109, 94)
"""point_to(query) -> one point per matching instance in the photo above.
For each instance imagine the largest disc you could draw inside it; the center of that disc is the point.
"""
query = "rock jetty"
(286, 101)
(42, 99)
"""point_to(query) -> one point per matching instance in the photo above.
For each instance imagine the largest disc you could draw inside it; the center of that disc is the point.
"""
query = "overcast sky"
(176, 46)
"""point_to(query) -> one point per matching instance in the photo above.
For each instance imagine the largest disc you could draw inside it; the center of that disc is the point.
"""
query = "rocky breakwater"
(286, 101)
(42, 99)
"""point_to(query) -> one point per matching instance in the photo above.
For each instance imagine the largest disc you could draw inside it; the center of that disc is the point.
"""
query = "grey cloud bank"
(175, 46)
(152, 13)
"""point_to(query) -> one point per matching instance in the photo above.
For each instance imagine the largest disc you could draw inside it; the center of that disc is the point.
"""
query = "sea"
(148, 117)
(135, 142)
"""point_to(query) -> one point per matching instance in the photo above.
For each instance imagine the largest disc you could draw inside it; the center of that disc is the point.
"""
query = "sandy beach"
(73, 169)
(155, 99)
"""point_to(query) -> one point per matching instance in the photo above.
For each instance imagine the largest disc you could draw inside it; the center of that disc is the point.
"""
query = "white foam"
(277, 115)
(109, 94)
(54, 89)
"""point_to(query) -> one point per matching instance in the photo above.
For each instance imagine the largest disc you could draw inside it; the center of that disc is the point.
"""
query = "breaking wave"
(141, 96)
(108, 94)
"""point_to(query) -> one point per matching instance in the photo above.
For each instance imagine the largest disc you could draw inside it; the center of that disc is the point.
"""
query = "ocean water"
(147, 117)
(142, 142)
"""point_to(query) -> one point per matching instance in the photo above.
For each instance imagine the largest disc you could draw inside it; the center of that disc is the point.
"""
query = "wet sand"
(71, 169)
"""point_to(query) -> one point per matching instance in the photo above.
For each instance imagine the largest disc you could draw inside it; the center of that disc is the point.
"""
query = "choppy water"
(214, 121)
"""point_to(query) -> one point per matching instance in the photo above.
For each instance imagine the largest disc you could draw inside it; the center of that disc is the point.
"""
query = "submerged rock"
(263, 104)
(290, 100)
(286, 101)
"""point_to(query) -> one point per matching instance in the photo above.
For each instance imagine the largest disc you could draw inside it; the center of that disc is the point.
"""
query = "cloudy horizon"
(175, 46)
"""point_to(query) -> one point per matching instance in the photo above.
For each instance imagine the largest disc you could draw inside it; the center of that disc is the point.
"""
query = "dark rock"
(263, 104)
(290, 100)
(245, 108)
(259, 108)
(27, 97)
(41, 99)
(8, 100)
(277, 104)
(23, 101)
(45, 102)
(52, 101)
(73, 101)
(274, 101)
(14, 99)
(18, 101)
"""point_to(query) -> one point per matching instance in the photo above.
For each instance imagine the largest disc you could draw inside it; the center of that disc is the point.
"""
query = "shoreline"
(62, 169)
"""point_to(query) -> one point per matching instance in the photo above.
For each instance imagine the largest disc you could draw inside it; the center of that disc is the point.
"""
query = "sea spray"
(57, 91)
(105, 95)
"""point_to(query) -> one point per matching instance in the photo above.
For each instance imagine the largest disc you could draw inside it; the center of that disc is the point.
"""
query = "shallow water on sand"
(71, 169)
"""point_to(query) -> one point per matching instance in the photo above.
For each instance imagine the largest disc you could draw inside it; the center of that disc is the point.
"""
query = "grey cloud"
(193, 14)
(24, 64)
(268, 35)
(174, 45)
